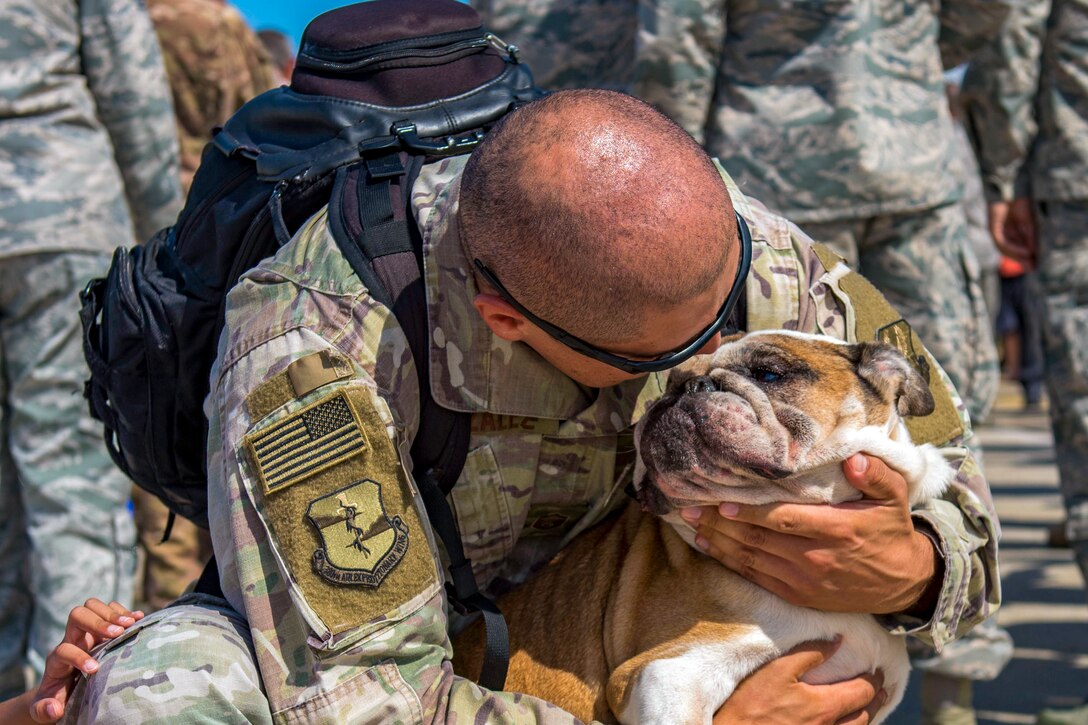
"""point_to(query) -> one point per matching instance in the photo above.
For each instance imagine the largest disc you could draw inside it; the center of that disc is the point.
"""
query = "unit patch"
(360, 543)
(306, 443)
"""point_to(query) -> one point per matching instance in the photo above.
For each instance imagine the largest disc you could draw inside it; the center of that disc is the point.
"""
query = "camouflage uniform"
(214, 63)
(834, 114)
(1027, 101)
(319, 533)
(569, 43)
(86, 138)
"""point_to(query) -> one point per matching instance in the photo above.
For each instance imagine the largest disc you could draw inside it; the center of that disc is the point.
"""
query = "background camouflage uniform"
(834, 114)
(214, 63)
(569, 43)
(1027, 101)
(86, 135)
(545, 462)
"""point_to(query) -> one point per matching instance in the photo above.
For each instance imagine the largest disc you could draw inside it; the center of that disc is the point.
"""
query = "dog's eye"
(762, 375)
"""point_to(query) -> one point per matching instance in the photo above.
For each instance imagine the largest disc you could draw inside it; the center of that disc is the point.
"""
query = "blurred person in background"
(282, 51)
(214, 63)
(569, 43)
(1027, 109)
(1010, 289)
(835, 115)
(88, 161)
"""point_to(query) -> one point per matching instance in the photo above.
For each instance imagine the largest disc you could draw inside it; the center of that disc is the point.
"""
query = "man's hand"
(861, 556)
(851, 702)
(88, 625)
(1012, 226)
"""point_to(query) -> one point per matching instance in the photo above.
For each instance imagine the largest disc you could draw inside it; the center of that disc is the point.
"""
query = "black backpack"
(380, 89)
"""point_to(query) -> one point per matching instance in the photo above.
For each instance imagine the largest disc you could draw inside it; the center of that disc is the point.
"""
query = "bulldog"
(633, 621)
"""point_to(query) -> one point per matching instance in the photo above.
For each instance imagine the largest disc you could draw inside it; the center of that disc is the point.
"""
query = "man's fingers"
(874, 478)
(756, 565)
(855, 697)
(785, 518)
(869, 713)
(808, 656)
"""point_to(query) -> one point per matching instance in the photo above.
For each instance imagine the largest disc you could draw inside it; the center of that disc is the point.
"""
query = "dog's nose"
(701, 384)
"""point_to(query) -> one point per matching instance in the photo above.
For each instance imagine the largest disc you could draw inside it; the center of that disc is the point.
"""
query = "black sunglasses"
(627, 365)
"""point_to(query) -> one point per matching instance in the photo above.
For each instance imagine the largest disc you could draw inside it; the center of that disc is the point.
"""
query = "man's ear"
(887, 370)
(500, 317)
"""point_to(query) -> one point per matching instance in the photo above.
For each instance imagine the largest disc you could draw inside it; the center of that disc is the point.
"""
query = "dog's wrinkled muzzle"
(718, 433)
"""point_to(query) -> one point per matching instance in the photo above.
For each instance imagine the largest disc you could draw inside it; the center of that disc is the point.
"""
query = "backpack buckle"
(509, 48)
(407, 133)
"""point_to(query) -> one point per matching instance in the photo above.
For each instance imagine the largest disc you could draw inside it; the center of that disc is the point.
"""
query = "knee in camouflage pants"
(65, 531)
(1063, 275)
(923, 264)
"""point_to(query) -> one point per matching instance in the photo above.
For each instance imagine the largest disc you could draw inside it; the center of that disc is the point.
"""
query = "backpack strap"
(371, 221)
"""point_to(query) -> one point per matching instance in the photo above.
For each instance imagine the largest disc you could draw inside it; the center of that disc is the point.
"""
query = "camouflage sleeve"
(124, 70)
(967, 26)
(963, 523)
(964, 529)
(999, 100)
(324, 546)
(677, 50)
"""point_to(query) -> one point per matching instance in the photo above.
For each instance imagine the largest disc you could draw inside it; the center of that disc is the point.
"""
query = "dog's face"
(747, 423)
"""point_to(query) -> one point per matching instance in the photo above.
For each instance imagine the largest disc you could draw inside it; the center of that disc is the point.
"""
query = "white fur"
(691, 687)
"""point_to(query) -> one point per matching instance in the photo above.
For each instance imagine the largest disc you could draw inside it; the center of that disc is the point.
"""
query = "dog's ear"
(890, 373)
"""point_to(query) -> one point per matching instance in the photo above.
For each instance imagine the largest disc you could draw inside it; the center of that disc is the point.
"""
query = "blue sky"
(287, 16)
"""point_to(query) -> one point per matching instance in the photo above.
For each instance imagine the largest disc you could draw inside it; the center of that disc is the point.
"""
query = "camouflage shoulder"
(785, 287)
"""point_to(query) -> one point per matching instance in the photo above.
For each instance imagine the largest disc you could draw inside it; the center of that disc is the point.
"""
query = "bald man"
(584, 248)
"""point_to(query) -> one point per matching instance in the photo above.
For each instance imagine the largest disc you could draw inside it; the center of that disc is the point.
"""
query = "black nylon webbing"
(386, 233)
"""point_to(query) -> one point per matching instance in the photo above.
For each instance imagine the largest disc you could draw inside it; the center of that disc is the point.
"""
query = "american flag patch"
(306, 443)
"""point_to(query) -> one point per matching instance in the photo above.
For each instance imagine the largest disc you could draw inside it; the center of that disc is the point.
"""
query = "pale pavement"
(1045, 605)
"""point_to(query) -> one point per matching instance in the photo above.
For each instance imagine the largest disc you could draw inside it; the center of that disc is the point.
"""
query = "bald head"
(591, 208)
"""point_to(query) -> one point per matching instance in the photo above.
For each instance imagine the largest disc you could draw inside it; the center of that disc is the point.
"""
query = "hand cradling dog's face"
(754, 421)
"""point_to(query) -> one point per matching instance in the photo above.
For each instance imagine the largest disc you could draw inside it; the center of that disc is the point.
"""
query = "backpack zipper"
(354, 60)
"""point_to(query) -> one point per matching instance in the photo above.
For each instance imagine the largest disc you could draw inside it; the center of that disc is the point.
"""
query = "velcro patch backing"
(301, 377)
(349, 532)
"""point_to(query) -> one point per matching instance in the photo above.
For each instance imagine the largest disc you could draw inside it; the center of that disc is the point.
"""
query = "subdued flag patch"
(306, 443)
